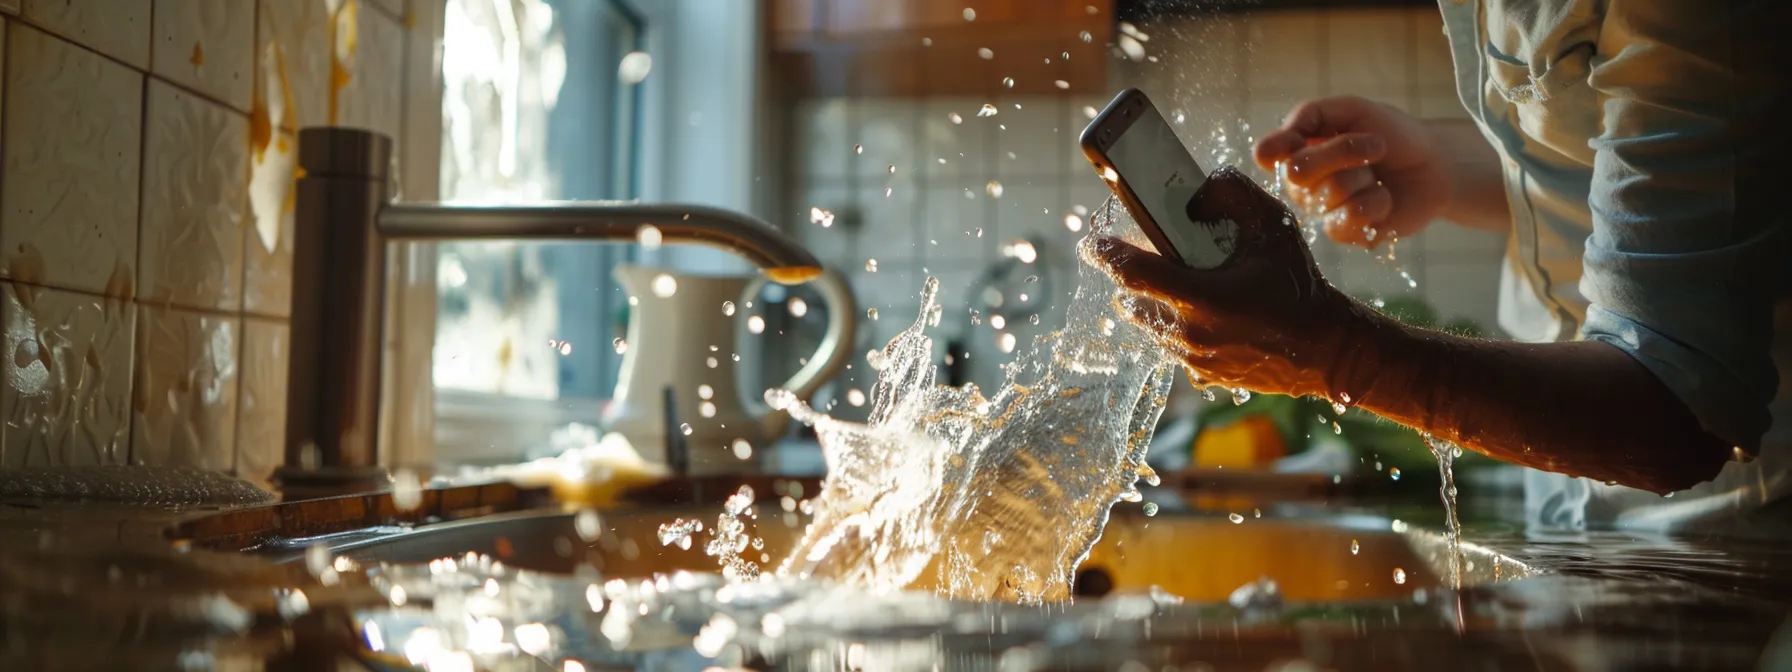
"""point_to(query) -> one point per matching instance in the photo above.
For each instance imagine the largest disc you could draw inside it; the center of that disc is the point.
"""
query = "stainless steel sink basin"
(1201, 558)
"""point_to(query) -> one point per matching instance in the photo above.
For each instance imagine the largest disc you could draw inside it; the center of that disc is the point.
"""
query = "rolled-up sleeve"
(1690, 245)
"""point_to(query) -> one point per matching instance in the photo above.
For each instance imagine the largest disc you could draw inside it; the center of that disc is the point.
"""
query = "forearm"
(1582, 408)
(1477, 185)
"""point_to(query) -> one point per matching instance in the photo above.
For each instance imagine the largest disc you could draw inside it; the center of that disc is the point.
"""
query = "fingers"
(1318, 118)
(1335, 189)
(1261, 218)
(1311, 166)
(1358, 220)
(1137, 270)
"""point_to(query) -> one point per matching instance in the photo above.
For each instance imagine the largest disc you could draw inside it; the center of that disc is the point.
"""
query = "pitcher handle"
(833, 353)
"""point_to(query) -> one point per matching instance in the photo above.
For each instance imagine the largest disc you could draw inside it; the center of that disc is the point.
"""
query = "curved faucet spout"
(783, 259)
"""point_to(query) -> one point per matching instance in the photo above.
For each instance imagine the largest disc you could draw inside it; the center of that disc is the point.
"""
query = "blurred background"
(898, 139)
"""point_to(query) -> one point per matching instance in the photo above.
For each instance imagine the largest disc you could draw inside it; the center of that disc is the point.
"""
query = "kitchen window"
(541, 102)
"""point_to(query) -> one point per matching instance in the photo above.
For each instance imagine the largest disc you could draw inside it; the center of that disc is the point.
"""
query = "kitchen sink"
(1195, 556)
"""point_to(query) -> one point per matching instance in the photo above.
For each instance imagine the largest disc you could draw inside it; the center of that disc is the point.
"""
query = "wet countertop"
(85, 586)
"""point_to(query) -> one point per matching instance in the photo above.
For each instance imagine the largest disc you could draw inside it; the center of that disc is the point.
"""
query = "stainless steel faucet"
(343, 221)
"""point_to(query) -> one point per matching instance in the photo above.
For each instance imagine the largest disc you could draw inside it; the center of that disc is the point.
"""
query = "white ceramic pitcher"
(672, 341)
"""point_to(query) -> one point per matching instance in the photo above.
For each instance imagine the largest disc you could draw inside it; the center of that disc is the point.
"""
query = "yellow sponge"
(1250, 442)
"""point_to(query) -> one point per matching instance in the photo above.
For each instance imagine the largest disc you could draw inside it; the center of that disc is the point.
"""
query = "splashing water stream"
(946, 488)
(1446, 453)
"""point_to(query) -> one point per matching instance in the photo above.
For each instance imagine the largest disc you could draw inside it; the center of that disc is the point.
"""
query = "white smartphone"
(1136, 152)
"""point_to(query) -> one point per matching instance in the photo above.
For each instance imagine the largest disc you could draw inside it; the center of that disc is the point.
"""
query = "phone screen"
(1152, 162)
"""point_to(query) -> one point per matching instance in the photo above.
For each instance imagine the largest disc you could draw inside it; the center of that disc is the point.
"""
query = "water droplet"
(634, 67)
(1061, 84)
(742, 449)
(1394, 473)
(1240, 395)
(587, 524)
(664, 285)
(649, 237)
(870, 265)
(798, 307)
(986, 53)
(1339, 407)
(1150, 508)
(820, 216)
(728, 308)
(407, 491)
(994, 189)
(892, 169)
(1086, 37)
(1399, 575)
(1354, 548)
(1034, 318)
(970, 14)
(756, 324)
(1235, 518)
(855, 397)
(998, 322)
(1207, 394)
(976, 317)
(1006, 342)
(686, 428)
(620, 345)
(1007, 82)
(956, 119)
(1073, 222)
(1336, 428)
(858, 149)
(987, 110)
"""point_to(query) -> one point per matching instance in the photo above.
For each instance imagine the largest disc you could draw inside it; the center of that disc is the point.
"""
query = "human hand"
(1373, 171)
(1265, 320)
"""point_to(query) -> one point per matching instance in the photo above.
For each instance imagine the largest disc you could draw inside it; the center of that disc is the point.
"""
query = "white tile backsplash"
(206, 45)
(261, 408)
(1370, 49)
(72, 139)
(950, 129)
(117, 28)
(370, 100)
(885, 131)
(66, 395)
(1214, 75)
(1282, 52)
(185, 389)
(195, 201)
(116, 121)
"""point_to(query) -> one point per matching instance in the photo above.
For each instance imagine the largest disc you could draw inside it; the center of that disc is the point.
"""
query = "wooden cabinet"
(941, 47)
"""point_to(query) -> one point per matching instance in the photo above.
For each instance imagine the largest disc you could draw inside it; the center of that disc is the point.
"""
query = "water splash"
(913, 495)
(1446, 453)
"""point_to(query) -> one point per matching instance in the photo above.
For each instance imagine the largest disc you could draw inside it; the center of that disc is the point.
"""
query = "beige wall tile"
(116, 28)
(393, 8)
(72, 141)
(1460, 287)
(819, 128)
(887, 226)
(1368, 50)
(961, 143)
(292, 77)
(1029, 141)
(207, 45)
(195, 201)
(1433, 66)
(185, 390)
(885, 129)
(951, 215)
(261, 406)
(1284, 50)
(67, 379)
(1030, 210)
(370, 100)
(1442, 106)
(267, 241)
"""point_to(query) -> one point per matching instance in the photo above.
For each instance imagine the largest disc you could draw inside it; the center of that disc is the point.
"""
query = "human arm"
(1267, 321)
